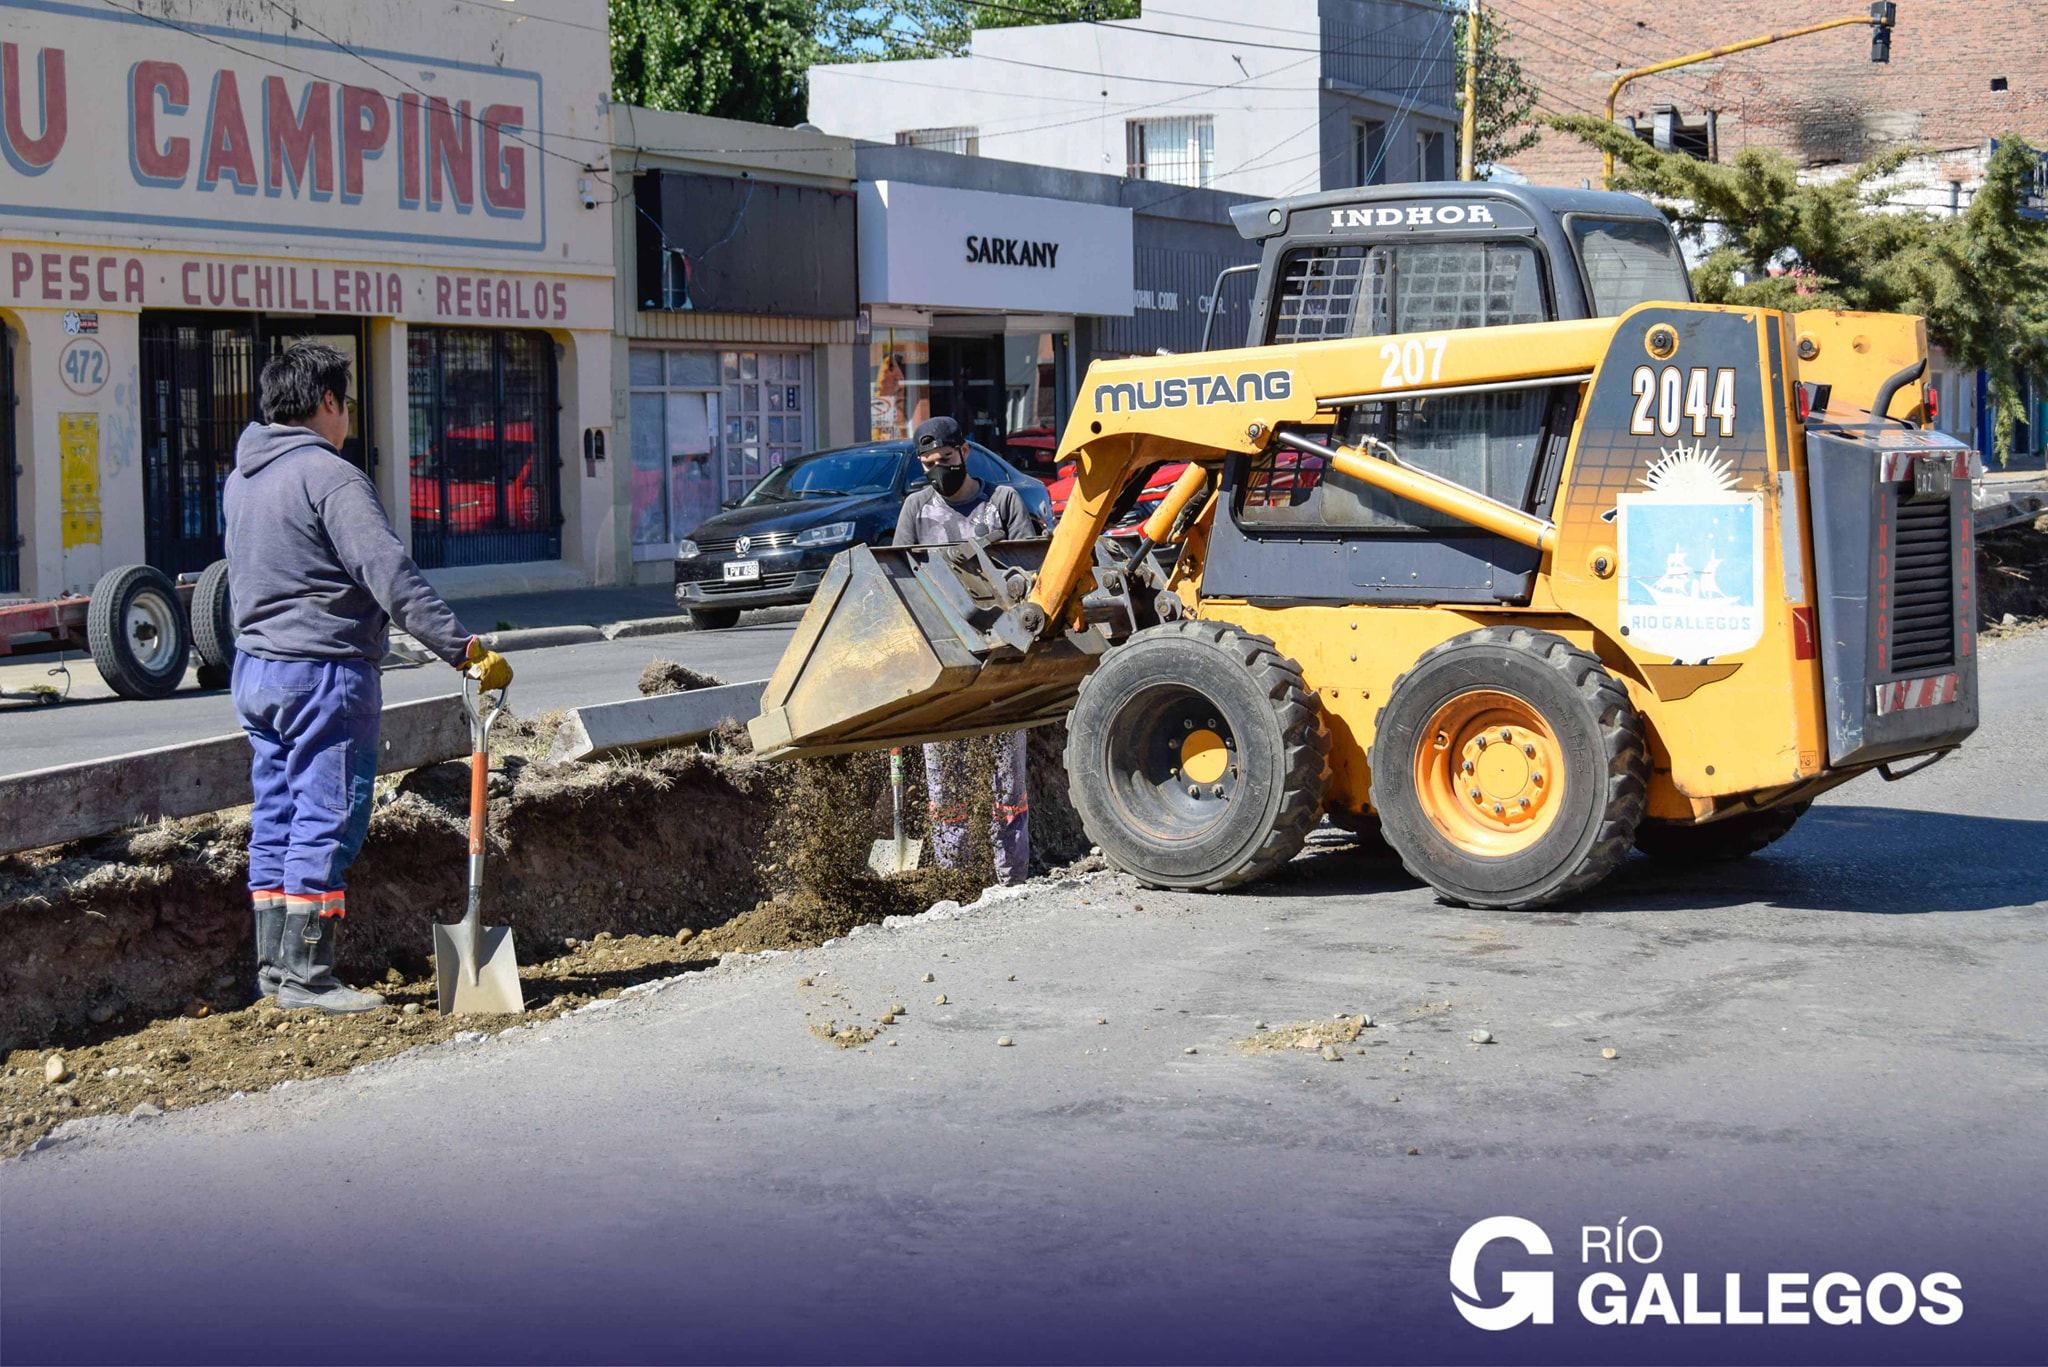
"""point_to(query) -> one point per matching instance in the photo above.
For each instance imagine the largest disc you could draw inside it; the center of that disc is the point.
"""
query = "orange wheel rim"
(1489, 773)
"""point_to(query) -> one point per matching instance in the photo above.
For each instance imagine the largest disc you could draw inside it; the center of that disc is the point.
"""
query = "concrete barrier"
(649, 723)
(76, 801)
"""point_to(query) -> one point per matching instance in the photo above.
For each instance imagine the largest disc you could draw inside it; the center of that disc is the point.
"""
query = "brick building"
(1962, 71)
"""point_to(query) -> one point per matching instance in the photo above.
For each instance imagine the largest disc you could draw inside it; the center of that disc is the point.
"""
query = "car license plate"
(742, 571)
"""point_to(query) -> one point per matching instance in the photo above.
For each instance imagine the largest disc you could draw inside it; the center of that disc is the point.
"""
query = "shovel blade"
(891, 857)
(495, 990)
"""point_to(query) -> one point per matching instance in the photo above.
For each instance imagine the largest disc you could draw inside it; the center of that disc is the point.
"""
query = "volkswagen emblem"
(743, 545)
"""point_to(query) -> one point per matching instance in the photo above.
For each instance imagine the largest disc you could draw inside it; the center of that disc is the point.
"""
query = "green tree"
(863, 30)
(1980, 278)
(1504, 98)
(736, 59)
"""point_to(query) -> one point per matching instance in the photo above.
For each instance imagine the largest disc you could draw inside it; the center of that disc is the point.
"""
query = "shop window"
(198, 393)
(899, 367)
(964, 141)
(1179, 151)
(486, 471)
(10, 525)
(678, 474)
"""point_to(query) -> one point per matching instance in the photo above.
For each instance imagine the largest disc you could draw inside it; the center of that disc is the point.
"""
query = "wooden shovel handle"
(479, 772)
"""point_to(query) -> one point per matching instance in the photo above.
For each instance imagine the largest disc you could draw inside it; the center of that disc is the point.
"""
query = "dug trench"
(126, 966)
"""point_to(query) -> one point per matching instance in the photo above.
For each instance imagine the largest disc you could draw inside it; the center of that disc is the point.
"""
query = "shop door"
(199, 392)
(968, 385)
(10, 470)
(350, 337)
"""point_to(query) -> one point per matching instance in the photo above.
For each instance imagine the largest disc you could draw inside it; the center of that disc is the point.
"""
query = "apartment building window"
(1368, 152)
(1429, 156)
(1175, 151)
(965, 141)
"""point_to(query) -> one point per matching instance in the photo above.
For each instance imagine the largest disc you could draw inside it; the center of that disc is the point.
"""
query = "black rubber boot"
(307, 956)
(269, 908)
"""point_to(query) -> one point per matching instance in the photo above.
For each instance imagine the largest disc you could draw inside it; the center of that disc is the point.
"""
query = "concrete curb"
(535, 638)
(645, 626)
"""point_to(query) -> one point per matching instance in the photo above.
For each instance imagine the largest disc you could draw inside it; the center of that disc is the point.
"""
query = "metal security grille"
(10, 471)
(964, 141)
(198, 393)
(1920, 629)
(1176, 151)
(486, 467)
(767, 411)
(1420, 287)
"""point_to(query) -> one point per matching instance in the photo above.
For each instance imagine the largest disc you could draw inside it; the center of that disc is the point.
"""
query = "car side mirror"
(730, 503)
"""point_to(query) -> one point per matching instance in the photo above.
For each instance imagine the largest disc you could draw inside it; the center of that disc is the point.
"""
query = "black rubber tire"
(130, 673)
(1274, 791)
(1732, 837)
(210, 677)
(1597, 727)
(213, 618)
(713, 619)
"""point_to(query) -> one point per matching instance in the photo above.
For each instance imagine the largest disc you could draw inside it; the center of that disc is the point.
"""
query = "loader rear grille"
(1920, 630)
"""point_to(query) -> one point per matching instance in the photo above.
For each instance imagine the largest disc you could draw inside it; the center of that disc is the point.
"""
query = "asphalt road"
(95, 723)
(1830, 1058)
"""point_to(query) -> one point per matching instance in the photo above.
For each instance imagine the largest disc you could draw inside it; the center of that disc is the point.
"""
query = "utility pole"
(1883, 17)
(1471, 88)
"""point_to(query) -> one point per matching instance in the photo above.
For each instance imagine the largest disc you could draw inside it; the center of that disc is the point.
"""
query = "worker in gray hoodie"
(315, 577)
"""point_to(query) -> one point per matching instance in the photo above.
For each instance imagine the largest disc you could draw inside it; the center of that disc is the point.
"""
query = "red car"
(1131, 523)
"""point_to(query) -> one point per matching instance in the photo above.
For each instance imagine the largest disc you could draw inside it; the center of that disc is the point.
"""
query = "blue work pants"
(313, 727)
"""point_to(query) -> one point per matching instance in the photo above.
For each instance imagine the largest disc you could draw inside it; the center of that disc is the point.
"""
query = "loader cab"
(1423, 259)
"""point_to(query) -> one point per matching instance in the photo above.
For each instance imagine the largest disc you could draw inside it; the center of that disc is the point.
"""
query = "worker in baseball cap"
(315, 577)
(955, 506)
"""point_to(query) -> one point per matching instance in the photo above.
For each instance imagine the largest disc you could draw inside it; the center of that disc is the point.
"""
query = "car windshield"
(1629, 262)
(871, 470)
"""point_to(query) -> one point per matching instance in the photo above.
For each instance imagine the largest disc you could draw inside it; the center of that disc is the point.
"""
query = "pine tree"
(1980, 278)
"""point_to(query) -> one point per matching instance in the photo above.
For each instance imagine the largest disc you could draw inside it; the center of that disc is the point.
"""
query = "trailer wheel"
(136, 630)
(1733, 837)
(1197, 756)
(1509, 769)
(213, 620)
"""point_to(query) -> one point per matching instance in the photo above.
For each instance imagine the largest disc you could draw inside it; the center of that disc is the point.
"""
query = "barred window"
(1629, 263)
(1362, 291)
(1176, 151)
(964, 141)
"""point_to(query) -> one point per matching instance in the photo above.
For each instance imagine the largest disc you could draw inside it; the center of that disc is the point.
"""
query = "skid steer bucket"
(896, 649)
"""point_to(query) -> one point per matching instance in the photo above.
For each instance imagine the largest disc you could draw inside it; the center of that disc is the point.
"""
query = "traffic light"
(1883, 14)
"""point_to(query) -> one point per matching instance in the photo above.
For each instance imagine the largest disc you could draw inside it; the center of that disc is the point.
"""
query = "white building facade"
(1282, 97)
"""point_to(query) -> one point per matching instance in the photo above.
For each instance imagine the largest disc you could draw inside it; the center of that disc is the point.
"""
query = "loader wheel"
(1733, 837)
(1509, 769)
(135, 628)
(714, 619)
(213, 621)
(1197, 756)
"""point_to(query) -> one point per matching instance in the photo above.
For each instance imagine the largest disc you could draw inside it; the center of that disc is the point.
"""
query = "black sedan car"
(770, 548)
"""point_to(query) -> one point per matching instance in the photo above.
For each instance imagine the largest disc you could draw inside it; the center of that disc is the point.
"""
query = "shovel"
(891, 857)
(475, 966)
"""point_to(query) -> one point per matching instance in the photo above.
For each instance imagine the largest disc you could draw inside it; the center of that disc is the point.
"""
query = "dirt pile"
(2012, 577)
(131, 952)
(666, 676)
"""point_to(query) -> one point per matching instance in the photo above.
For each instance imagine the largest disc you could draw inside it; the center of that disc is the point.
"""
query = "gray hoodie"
(314, 569)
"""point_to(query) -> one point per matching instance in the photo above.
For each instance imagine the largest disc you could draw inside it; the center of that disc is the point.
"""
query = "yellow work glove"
(490, 669)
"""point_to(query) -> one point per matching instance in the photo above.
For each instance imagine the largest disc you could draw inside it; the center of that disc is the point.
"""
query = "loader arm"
(1139, 413)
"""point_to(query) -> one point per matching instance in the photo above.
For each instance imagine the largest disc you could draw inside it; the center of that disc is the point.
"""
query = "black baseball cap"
(935, 433)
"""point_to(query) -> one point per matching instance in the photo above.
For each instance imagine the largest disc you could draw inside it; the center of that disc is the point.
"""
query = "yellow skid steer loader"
(1490, 538)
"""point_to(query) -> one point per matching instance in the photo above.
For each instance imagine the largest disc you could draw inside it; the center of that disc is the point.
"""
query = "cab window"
(1489, 443)
(1628, 262)
(1355, 290)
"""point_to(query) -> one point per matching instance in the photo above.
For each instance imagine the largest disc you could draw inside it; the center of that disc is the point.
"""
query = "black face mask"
(949, 479)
